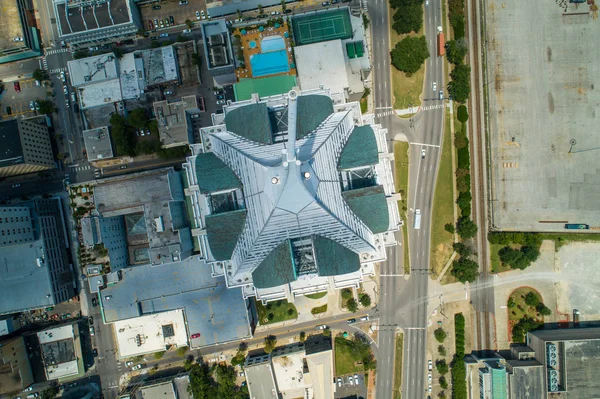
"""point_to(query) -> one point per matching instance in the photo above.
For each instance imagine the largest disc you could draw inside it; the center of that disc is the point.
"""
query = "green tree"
(138, 118)
(159, 355)
(460, 87)
(181, 351)
(189, 23)
(346, 293)
(462, 249)
(441, 366)
(122, 135)
(449, 227)
(461, 113)
(260, 9)
(119, 53)
(49, 393)
(283, 5)
(464, 199)
(440, 335)
(352, 305)
(466, 228)
(443, 382)
(442, 350)
(40, 75)
(456, 50)
(511, 302)
(465, 269)
(543, 309)
(81, 53)
(270, 342)
(365, 300)
(409, 54)
(532, 299)
(302, 336)
(46, 107)
(202, 385)
(408, 19)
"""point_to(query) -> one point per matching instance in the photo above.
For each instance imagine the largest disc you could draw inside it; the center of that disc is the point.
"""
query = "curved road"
(403, 302)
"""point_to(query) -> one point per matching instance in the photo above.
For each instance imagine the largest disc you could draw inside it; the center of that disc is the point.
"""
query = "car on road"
(120, 167)
(90, 320)
(364, 318)
(325, 3)
(156, 7)
(183, 3)
(185, 31)
(430, 365)
(322, 327)
(28, 389)
(95, 48)
(164, 35)
(32, 105)
(356, 379)
(172, 20)
(220, 102)
(423, 153)
(434, 84)
(95, 352)
(16, 185)
(168, 92)
(351, 321)
(92, 331)
(426, 3)
(139, 366)
(339, 381)
(17, 87)
(128, 364)
(441, 94)
(94, 302)
(108, 297)
(67, 103)
(194, 336)
(65, 90)
(62, 77)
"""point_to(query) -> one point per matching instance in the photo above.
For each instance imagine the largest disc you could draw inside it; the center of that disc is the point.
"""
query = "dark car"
(287, 11)
(95, 352)
(91, 320)
(17, 86)
(172, 20)
(156, 7)
(351, 321)
(8, 110)
(123, 167)
(94, 302)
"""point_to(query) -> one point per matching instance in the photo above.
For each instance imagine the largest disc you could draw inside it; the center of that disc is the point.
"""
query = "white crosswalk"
(59, 70)
(430, 107)
(81, 168)
(382, 114)
(45, 62)
(56, 51)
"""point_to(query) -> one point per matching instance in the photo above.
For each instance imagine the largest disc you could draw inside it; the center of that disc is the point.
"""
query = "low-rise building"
(60, 348)
(26, 147)
(83, 23)
(301, 370)
(96, 80)
(218, 51)
(97, 144)
(175, 126)
(33, 248)
(20, 37)
(163, 388)
(15, 369)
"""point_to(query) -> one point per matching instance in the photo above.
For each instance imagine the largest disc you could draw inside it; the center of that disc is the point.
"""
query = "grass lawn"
(406, 90)
(318, 295)
(279, 309)
(319, 309)
(401, 182)
(497, 266)
(398, 367)
(345, 356)
(443, 206)
(364, 106)
(521, 309)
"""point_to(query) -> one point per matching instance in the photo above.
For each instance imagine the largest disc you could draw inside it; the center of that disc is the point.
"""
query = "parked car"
(429, 378)
(150, 24)
(28, 389)
(164, 35)
(203, 14)
(172, 20)
(350, 380)
(120, 167)
(96, 48)
(8, 110)
(139, 366)
(339, 381)
(17, 87)
(441, 94)
(67, 103)
(94, 302)
(128, 364)
(95, 352)
(37, 105)
(220, 102)
(16, 185)
(274, 12)
(356, 379)
(32, 105)
(429, 365)
(168, 92)
(92, 331)
(194, 336)
(62, 77)
(65, 90)
(183, 3)
(198, 15)
(325, 3)
(90, 320)
(156, 7)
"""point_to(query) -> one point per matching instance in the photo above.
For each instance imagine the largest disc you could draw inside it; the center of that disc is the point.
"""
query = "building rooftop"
(582, 360)
(261, 384)
(99, 94)
(322, 64)
(214, 175)
(11, 152)
(94, 69)
(131, 75)
(97, 143)
(288, 367)
(164, 390)
(75, 17)
(59, 347)
(15, 369)
(361, 149)
(174, 123)
(217, 44)
(160, 65)
(216, 313)
(264, 87)
(150, 333)
(370, 205)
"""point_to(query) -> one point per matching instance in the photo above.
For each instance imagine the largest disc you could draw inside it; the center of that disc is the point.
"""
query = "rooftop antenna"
(292, 114)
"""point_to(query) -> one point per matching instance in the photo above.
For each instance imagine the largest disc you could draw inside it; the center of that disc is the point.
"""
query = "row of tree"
(214, 382)
(408, 16)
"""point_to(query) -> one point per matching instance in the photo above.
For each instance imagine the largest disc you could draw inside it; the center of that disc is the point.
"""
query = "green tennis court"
(322, 26)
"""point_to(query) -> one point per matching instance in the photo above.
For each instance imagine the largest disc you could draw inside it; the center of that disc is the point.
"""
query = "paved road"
(403, 302)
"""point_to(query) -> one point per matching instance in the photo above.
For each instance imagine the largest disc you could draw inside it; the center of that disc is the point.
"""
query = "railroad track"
(484, 327)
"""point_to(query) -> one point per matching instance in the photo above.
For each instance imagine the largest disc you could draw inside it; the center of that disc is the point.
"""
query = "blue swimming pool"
(269, 63)
(272, 43)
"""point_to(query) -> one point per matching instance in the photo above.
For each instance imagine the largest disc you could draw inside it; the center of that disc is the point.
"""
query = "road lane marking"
(426, 145)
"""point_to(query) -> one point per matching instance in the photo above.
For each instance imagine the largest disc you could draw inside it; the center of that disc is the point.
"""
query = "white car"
(32, 105)
(187, 31)
(356, 379)
(128, 364)
(441, 94)
(423, 153)
(203, 14)
(92, 331)
(350, 380)
(364, 318)
(339, 380)
(65, 90)
(322, 327)
(198, 15)
(429, 378)
(139, 366)
(429, 389)
(430, 365)
(220, 102)
(434, 86)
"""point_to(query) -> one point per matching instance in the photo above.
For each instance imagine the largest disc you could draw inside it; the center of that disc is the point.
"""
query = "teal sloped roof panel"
(334, 259)
(312, 110)
(214, 175)
(370, 205)
(276, 269)
(223, 231)
(361, 149)
(250, 122)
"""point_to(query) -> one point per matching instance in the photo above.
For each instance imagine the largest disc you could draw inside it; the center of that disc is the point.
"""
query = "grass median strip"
(398, 367)
(406, 89)
(443, 206)
(401, 176)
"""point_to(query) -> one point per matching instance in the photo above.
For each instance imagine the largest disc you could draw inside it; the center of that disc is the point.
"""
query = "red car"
(17, 87)
(150, 24)
(195, 336)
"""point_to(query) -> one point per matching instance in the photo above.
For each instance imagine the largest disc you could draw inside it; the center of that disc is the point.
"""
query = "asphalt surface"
(403, 302)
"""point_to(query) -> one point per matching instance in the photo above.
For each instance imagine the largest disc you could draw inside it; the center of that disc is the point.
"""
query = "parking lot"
(350, 386)
(543, 104)
(19, 102)
(167, 9)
